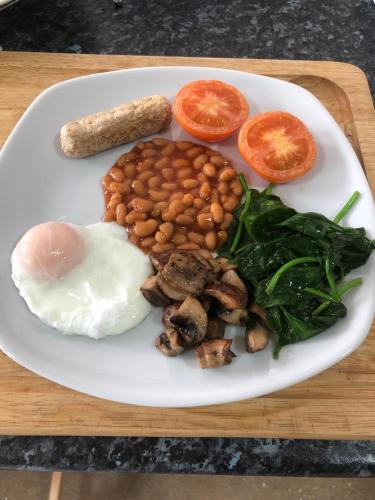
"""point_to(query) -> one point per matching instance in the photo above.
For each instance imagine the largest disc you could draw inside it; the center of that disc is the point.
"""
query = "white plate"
(37, 184)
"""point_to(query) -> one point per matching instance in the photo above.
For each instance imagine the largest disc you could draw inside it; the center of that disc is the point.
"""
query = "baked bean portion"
(172, 195)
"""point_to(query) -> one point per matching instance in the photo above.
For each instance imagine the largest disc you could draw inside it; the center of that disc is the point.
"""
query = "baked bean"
(177, 196)
(149, 145)
(133, 238)
(145, 176)
(145, 165)
(226, 221)
(194, 152)
(210, 240)
(145, 228)
(184, 220)
(141, 205)
(205, 221)
(214, 198)
(236, 188)
(161, 205)
(129, 170)
(162, 247)
(168, 150)
(231, 203)
(109, 215)
(177, 206)
(184, 173)
(189, 183)
(168, 173)
(227, 174)
(157, 195)
(134, 216)
(149, 153)
(202, 178)
(154, 182)
(206, 209)
(211, 152)
(114, 200)
(199, 161)
(125, 158)
(183, 145)
(138, 187)
(141, 145)
(179, 238)
(222, 236)
(218, 161)
(166, 231)
(180, 163)
(205, 191)
(118, 187)
(188, 246)
(196, 237)
(188, 200)
(198, 203)
(168, 215)
(148, 242)
(209, 170)
(217, 212)
(164, 162)
(106, 181)
(160, 141)
(223, 188)
(121, 214)
(190, 211)
(117, 174)
(169, 186)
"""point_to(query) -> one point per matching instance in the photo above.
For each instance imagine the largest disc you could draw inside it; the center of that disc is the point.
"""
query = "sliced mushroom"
(153, 294)
(169, 311)
(170, 290)
(232, 278)
(158, 260)
(186, 272)
(170, 343)
(234, 316)
(214, 353)
(256, 334)
(190, 321)
(215, 328)
(231, 297)
(224, 264)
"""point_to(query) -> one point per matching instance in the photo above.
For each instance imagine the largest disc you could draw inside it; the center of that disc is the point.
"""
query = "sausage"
(107, 129)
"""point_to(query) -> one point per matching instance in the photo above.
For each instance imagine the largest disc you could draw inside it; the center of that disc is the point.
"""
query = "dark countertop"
(292, 29)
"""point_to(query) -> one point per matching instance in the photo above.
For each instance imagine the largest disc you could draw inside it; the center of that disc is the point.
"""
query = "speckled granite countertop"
(293, 29)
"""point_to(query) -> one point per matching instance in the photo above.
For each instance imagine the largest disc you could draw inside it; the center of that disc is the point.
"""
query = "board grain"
(337, 404)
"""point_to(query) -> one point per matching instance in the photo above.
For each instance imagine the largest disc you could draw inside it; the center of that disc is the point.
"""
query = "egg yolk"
(50, 250)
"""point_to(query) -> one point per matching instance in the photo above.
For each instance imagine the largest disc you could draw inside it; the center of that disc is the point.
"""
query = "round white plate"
(37, 184)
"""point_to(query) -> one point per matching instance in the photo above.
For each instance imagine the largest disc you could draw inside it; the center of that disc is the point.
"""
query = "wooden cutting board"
(339, 403)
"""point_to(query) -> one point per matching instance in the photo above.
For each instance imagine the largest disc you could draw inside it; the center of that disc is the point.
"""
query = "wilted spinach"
(293, 261)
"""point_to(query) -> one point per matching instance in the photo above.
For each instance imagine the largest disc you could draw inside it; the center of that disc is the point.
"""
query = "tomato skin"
(231, 109)
(277, 146)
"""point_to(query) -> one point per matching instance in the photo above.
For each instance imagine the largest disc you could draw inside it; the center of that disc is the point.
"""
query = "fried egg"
(82, 279)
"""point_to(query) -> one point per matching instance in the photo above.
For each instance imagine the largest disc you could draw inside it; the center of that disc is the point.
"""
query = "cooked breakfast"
(172, 195)
(108, 129)
(81, 279)
(277, 271)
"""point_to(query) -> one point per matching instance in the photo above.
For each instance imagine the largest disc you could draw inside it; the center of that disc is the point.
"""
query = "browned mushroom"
(215, 328)
(153, 294)
(158, 260)
(214, 353)
(187, 273)
(170, 343)
(231, 297)
(256, 334)
(168, 311)
(232, 278)
(190, 321)
(169, 290)
(224, 264)
(234, 316)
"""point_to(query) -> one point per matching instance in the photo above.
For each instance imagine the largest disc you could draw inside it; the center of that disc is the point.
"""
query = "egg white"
(101, 295)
